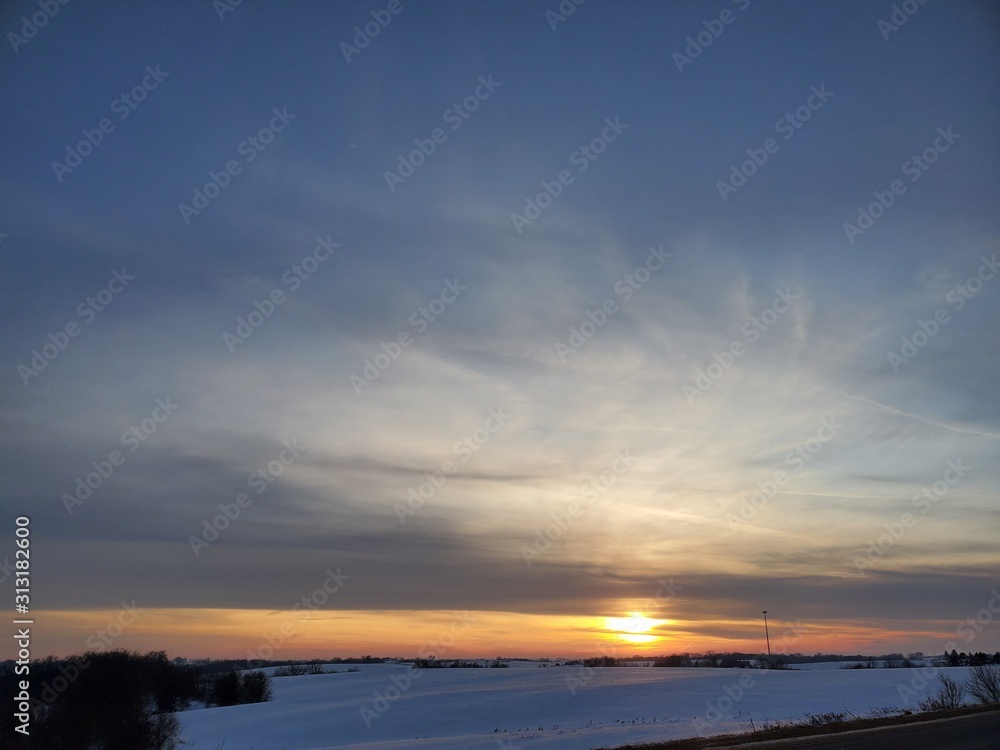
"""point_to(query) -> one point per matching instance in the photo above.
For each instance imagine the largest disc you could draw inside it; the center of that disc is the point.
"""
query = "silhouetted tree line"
(116, 700)
(226, 665)
(296, 670)
(978, 659)
(731, 660)
(724, 661)
(953, 659)
(740, 660)
(455, 664)
(674, 660)
(602, 661)
(885, 661)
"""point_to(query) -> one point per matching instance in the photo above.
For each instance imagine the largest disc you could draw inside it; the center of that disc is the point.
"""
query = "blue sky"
(834, 304)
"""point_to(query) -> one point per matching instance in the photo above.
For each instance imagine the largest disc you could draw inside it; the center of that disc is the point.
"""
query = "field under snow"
(529, 707)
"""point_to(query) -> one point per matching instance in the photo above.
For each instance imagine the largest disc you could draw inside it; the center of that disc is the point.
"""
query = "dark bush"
(255, 687)
(601, 661)
(236, 688)
(116, 700)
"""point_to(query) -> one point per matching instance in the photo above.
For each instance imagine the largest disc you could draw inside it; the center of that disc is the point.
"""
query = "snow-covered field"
(555, 708)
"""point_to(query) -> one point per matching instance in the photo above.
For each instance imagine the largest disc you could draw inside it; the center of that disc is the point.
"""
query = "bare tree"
(984, 683)
(950, 696)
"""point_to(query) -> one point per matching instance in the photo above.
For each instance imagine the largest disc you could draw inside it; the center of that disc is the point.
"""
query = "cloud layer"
(793, 396)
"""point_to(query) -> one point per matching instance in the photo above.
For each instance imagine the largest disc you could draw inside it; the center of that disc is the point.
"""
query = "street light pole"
(767, 635)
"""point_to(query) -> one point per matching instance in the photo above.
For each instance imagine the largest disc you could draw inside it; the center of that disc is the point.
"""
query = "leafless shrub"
(984, 683)
(950, 696)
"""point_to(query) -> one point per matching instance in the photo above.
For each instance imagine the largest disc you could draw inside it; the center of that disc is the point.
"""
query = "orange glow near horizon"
(270, 634)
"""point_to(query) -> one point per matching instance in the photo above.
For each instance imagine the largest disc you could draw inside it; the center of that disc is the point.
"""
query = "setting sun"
(636, 628)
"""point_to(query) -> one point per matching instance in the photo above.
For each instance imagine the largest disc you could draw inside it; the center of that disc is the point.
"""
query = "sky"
(522, 328)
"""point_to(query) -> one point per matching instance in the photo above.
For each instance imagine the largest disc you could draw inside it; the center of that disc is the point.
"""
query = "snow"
(849, 663)
(555, 708)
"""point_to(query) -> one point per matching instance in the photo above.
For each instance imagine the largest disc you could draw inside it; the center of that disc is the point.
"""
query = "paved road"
(975, 732)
